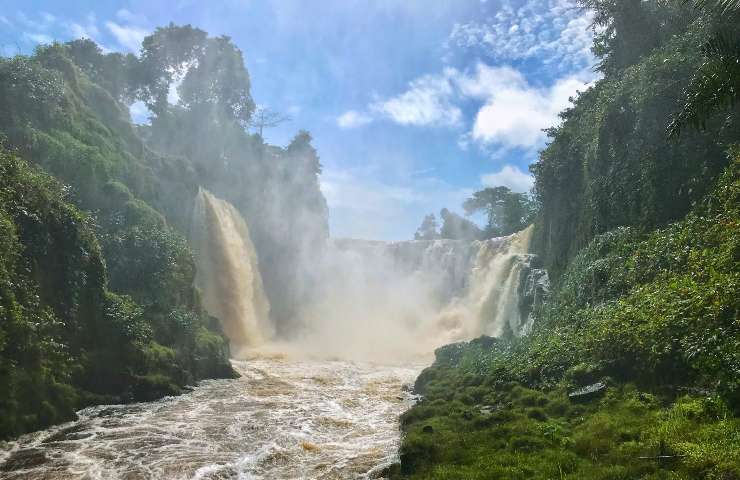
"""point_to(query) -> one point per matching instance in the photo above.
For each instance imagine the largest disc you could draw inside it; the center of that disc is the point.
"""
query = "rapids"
(283, 419)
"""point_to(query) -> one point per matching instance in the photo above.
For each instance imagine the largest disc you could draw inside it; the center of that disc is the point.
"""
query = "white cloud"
(509, 176)
(128, 36)
(353, 119)
(427, 102)
(128, 17)
(38, 37)
(512, 113)
(4, 20)
(515, 112)
(556, 31)
(40, 26)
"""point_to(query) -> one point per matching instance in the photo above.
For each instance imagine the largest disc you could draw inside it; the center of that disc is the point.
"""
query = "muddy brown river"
(283, 419)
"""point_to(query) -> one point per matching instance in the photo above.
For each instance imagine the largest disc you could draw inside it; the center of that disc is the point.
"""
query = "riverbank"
(474, 427)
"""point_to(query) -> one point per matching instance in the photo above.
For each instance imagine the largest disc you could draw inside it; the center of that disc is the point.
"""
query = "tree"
(266, 118)
(214, 80)
(625, 30)
(428, 230)
(507, 211)
(455, 227)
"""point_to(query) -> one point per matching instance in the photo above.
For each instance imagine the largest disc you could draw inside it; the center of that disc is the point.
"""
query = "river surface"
(283, 419)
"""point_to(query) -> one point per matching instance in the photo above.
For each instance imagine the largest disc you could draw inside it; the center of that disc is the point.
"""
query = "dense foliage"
(428, 230)
(66, 340)
(506, 211)
(67, 109)
(609, 163)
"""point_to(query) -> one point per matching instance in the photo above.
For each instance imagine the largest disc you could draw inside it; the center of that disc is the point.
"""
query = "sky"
(413, 104)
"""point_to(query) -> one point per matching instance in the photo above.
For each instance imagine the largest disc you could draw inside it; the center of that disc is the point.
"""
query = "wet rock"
(588, 393)
(24, 459)
(534, 288)
(107, 412)
(69, 433)
(484, 341)
(487, 409)
(385, 471)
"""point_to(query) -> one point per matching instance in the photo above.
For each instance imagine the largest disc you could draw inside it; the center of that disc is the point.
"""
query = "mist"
(392, 302)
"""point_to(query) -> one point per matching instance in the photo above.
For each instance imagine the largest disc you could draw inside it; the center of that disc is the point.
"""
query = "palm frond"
(715, 87)
(724, 6)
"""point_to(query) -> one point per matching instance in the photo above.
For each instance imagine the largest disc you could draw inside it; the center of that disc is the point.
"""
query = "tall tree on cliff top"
(507, 211)
(455, 227)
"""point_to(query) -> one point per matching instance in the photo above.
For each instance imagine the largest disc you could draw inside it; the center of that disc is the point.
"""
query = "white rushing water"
(330, 409)
(402, 300)
(283, 419)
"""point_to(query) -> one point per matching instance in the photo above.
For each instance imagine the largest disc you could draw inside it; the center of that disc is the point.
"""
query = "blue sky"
(413, 104)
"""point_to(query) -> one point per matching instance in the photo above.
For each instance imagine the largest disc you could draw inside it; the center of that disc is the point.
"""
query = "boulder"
(588, 393)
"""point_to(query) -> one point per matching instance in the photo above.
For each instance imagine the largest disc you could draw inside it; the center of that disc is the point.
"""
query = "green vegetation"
(527, 434)
(97, 301)
(66, 340)
(610, 163)
(428, 230)
(507, 212)
(639, 227)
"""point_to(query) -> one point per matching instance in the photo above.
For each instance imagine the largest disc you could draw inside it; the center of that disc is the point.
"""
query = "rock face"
(534, 287)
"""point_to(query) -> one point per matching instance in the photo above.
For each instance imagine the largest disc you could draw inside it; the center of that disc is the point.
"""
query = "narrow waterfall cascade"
(496, 301)
(228, 275)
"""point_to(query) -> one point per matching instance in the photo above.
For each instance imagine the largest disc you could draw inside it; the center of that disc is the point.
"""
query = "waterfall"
(228, 275)
(491, 303)
(369, 300)
(385, 299)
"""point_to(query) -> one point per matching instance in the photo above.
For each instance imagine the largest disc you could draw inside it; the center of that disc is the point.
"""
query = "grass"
(519, 433)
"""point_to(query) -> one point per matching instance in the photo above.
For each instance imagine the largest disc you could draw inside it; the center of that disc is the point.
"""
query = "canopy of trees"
(507, 212)
(638, 222)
